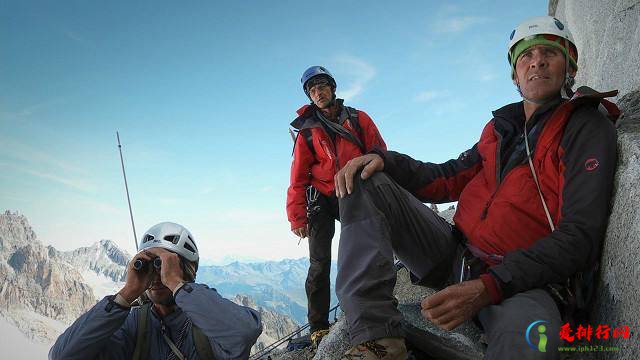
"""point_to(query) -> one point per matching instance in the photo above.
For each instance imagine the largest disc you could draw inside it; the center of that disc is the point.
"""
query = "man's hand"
(370, 164)
(455, 304)
(301, 232)
(171, 273)
(137, 281)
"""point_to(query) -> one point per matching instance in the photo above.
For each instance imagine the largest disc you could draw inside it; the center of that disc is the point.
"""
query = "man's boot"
(316, 336)
(379, 349)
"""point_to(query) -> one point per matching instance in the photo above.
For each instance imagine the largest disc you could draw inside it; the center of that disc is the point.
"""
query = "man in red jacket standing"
(329, 135)
(533, 200)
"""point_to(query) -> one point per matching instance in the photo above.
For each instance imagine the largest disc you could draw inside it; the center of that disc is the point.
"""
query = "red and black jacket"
(318, 166)
(499, 209)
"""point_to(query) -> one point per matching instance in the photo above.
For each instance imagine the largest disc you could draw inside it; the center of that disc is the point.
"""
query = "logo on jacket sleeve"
(591, 164)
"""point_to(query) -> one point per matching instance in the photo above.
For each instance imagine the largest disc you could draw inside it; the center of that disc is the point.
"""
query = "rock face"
(607, 34)
(33, 281)
(617, 293)
(462, 343)
(103, 258)
(274, 325)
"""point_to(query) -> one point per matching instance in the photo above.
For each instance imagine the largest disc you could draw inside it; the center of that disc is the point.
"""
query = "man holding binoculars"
(181, 320)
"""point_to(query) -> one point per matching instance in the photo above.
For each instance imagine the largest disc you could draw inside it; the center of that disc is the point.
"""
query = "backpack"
(352, 114)
(142, 342)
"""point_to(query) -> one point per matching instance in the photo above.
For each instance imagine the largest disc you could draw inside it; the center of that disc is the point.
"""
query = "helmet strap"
(568, 79)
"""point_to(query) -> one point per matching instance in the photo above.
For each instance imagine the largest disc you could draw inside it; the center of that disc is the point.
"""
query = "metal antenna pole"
(126, 186)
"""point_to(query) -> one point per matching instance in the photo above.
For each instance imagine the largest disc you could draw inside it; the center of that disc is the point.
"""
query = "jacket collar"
(307, 115)
(511, 117)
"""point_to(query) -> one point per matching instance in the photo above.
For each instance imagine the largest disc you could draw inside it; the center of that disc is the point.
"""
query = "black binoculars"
(142, 265)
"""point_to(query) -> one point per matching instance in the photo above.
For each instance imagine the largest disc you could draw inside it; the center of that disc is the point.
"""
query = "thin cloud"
(487, 76)
(77, 38)
(26, 153)
(458, 24)
(28, 160)
(430, 95)
(358, 74)
(28, 111)
(77, 184)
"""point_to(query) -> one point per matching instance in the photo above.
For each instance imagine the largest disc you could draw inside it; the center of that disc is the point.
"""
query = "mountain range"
(43, 290)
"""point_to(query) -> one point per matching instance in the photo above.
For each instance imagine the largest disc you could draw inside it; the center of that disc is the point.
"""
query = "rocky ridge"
(275, 325)
(32, 280)
(103, 258)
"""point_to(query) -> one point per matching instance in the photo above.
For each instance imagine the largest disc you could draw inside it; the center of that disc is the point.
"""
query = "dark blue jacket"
(108, 331)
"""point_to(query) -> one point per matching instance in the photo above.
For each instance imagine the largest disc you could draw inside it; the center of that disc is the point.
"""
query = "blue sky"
(202, 93)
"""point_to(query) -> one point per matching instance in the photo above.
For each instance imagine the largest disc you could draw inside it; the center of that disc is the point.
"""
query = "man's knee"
(317, 266)
(364, 195)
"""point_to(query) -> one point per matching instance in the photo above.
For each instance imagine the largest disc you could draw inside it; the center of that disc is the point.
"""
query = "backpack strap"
(353, 119)
(352, 113)
(142, 341)
(203, 347)
(308, 138)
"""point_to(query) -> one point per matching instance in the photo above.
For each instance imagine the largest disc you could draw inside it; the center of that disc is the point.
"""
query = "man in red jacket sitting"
(329, 135)
(533, 199)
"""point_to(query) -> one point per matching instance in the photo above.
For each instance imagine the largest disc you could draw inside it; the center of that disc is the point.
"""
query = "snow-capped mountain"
(102, 265)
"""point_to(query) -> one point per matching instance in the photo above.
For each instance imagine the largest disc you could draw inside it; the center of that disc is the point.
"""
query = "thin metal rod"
(126, 186)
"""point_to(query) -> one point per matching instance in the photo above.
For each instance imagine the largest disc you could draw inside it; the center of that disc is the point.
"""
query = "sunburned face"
(540, 72)
(321, 95)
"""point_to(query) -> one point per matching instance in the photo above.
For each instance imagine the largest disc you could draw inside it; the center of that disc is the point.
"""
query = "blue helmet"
(313, 72)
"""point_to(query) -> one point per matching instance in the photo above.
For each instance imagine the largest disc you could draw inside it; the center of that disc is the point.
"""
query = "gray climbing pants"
(380, 219)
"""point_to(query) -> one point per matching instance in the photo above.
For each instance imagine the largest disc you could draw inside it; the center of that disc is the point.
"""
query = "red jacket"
(499, 209)
(318, 167)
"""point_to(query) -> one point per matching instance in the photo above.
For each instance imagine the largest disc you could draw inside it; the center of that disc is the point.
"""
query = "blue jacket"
(108, 331)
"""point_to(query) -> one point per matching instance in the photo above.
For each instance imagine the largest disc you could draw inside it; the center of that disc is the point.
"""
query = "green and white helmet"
(542, 30)
(173, 237)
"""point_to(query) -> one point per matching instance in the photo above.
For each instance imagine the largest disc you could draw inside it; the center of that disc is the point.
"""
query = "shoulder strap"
(355, 123)
(308, 138)
(203, 347)
(353, 119)
(142, 341)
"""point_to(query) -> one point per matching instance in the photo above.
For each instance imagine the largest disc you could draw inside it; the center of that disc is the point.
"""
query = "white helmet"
(540, 25)
(173, 237)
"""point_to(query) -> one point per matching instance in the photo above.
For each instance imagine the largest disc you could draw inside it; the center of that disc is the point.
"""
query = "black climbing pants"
(380, 219)
(317, 286)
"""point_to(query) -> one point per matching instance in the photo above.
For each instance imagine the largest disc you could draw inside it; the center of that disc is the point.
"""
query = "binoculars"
(142, 265)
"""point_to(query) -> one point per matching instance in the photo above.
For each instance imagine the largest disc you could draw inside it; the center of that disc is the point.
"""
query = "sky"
(202, 93)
